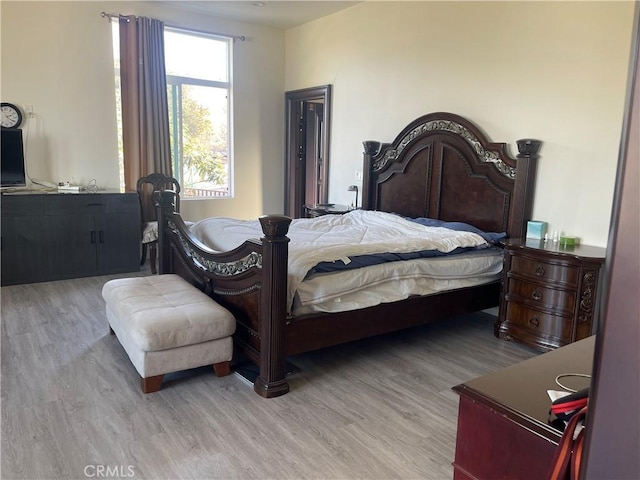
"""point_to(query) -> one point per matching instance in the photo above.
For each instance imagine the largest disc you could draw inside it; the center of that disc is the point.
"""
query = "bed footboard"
(250, 281)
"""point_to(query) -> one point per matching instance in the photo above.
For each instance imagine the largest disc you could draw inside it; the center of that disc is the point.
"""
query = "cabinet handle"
(93, 236)
(534, 322)
(101, 235)
(536, 295)
(94, 204)
(540, 271)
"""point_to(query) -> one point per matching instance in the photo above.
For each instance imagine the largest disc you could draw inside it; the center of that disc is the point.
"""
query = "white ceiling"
(277, 14)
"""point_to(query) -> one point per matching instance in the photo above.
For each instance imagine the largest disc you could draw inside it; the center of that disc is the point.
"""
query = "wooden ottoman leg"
(151, 384)
(222, 368)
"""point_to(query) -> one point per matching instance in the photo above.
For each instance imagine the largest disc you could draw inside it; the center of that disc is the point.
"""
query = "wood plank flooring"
(375, 409)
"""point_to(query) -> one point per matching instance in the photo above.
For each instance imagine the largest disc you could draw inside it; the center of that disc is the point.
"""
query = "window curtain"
(145, 116)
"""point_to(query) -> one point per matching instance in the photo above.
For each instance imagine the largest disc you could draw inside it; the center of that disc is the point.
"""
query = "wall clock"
(11, 116)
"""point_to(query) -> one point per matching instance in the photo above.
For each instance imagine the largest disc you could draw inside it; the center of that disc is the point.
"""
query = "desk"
(503, 430)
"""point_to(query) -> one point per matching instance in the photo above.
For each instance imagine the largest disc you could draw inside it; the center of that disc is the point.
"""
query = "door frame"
(292, 200)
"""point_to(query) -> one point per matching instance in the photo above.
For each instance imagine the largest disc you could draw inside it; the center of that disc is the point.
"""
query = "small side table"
(312, 211)
(549, 292)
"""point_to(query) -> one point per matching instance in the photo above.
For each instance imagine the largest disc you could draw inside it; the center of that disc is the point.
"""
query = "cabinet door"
(71, 243)
(23, 250)
(118, 242)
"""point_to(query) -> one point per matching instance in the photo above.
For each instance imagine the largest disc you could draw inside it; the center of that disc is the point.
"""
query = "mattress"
(390, 282)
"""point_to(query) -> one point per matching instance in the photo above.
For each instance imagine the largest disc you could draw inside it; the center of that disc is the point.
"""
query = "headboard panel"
(442, 166)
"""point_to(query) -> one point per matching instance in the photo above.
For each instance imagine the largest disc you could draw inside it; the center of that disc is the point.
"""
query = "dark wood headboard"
(442, 166)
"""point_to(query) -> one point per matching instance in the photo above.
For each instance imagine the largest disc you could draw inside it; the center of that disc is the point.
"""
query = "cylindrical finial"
(528, 147)
(164, 198)
(371, 147)
(275, 225)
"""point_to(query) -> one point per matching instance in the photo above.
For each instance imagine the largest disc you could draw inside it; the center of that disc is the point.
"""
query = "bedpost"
(524, 186)
(271, 382)
(371, 148)
(165, 205)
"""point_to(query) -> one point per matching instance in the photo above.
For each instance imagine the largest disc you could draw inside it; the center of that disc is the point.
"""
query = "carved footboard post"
(165, 205)
(271, 382)
(371, 148)
(525, 183)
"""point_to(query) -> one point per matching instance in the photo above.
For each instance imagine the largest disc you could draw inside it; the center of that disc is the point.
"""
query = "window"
(199, 94)
(198, 70)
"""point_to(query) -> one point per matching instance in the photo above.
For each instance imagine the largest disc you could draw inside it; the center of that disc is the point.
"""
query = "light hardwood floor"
(376, 409)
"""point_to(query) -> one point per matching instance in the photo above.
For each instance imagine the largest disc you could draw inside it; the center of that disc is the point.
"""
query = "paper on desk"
(556, 394)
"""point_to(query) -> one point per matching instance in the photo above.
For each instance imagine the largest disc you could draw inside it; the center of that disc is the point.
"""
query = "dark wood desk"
(503, 428)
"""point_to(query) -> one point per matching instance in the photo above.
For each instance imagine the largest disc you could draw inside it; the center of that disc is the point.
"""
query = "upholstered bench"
(166, 325)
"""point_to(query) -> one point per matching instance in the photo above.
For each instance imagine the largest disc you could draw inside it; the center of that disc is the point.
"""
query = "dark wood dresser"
(503, 418)
(54, 236)
(549, 292)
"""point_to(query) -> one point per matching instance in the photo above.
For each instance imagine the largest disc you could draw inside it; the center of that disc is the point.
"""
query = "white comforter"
(336, 238)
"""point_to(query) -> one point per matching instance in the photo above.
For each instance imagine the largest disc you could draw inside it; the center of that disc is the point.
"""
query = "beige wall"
(57, 57)
(549, 70)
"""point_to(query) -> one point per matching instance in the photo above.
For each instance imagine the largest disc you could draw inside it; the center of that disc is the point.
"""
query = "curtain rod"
(128, 18)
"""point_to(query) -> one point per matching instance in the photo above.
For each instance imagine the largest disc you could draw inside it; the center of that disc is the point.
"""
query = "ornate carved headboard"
(442, 166)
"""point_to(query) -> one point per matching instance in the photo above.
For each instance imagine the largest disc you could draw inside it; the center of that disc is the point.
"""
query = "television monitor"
(12, 172)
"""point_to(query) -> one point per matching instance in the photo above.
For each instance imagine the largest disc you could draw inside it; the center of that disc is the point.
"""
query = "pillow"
(489, 237)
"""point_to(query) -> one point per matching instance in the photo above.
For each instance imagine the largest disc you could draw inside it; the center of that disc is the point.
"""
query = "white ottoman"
(166, 325)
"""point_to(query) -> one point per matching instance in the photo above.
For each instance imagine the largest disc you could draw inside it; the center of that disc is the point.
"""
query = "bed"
(441, 166)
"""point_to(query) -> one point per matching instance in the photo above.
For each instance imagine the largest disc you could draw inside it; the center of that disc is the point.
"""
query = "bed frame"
(440, 166)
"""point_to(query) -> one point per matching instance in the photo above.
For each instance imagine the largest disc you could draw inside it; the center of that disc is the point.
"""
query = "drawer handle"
(536, 295)
(94, 204)
(534, 322)
(540, 271)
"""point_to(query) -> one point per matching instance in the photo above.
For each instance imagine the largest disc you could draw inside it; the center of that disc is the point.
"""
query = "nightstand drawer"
(538, 323)
(544, 271)
(536, 296)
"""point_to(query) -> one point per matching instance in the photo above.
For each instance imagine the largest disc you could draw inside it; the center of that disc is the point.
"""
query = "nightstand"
(325, 209)
(549, 292)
